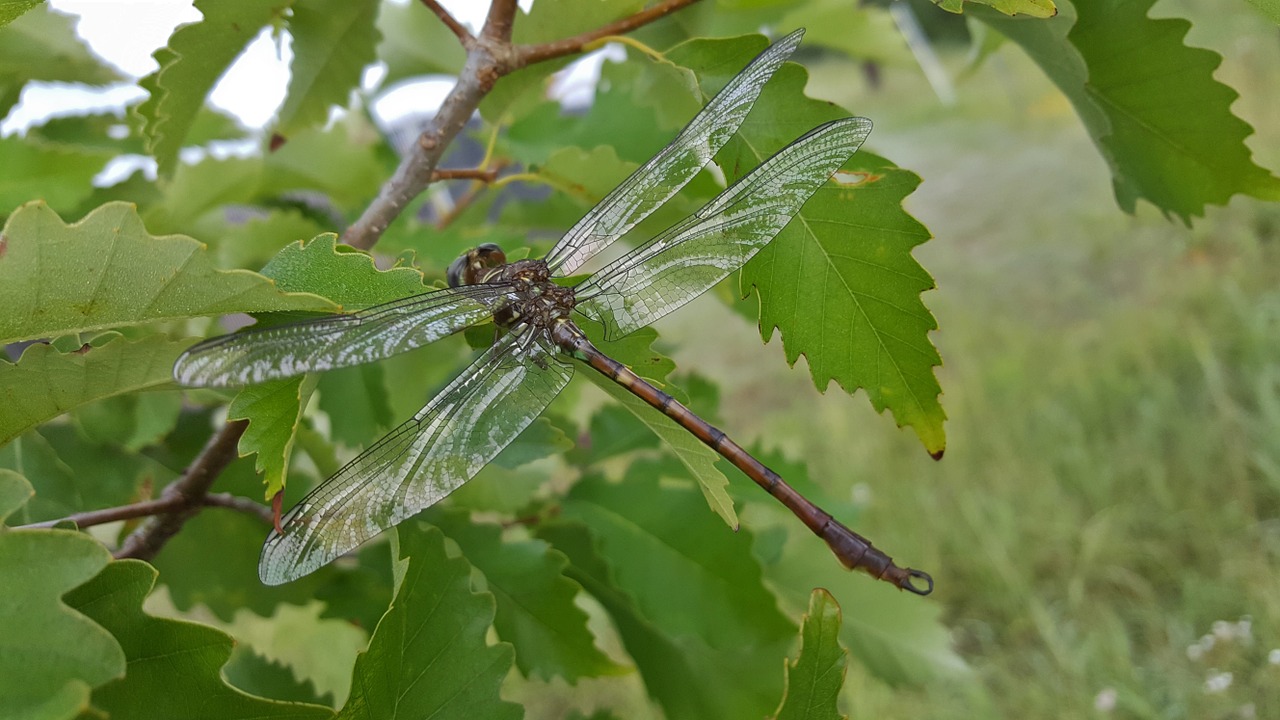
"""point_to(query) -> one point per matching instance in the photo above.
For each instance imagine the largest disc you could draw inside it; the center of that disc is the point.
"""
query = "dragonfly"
(538, 343)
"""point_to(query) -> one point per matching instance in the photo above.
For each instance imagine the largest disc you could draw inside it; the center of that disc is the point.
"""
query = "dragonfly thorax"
(535, 299)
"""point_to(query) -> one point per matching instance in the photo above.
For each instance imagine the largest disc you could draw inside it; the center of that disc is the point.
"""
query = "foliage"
(581, 568)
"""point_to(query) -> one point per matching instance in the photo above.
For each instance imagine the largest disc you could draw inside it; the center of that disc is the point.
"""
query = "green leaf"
(862, 31)
(710, 585)
(1270, 8)
(839, 281)
(357, 403)
(43, 45)
(252, 243)
(196, 191)
(10, 10)
(173, 666)
(50, 655)
(57, 174)
(333, 41)
(131, 422)
(1029, 8)
(345, 276)
(45, 383)
(1150, 103)
(256, 675)
(416, 43)
(535, 601)
(106, 270)
(815, 677)
(71, 475)
(428, 656)
(613, 430)
(347, 162)
(273, 410)
(688, 678)
(319, 651)
(700, 460)
(196, 56)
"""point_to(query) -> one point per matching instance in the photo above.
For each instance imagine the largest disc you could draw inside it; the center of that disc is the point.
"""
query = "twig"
(147, 508)
(489, 57)
(187, 494)
(236, 502)
(464, 36)
(485, 175)
(500, 22)
(529, 54)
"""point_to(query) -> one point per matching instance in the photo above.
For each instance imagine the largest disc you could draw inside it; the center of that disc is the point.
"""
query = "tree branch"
(147, 508)
(500, 22)
(187, 494)
(529, 54)
(464, 36)
(486, 175)
(488, 58)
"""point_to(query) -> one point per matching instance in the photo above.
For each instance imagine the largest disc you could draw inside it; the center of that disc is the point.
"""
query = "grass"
(1110, 494)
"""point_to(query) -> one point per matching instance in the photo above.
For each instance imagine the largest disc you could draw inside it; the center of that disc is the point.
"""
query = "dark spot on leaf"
(83, 349)
(277, 141)
(937, 454)
(4, 244)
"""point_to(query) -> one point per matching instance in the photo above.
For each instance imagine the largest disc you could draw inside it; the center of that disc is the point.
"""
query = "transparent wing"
(336, 341)
(673, 167)
(687, 259)
(422, 461)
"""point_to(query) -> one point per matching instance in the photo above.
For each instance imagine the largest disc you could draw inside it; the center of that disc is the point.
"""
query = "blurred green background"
(1105, 526)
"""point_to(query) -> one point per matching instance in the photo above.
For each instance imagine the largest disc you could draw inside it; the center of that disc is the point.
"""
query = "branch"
(500, 22)
(147, 508)
(489, 57)
(487, 175)
(464, 36)
(187, 494)
(529, 54)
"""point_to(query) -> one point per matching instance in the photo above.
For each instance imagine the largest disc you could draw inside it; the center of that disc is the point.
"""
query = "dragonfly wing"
(687, 259)
(422, 461)
(673, 167)
(256, 355)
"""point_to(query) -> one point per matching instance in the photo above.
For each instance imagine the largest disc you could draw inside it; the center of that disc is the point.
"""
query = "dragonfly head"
(470, 268)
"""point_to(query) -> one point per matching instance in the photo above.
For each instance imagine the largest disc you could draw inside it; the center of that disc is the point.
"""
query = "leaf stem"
(458, 29)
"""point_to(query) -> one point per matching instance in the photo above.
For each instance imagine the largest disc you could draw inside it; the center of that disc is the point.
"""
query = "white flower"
(1217, 682)
(1105, 701)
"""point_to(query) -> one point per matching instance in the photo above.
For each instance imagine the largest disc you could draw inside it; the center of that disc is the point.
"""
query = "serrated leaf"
(50, 655)
(44, 45)
(57, 174)
(347, 277)
(273, 410)
(815, 677)
(1029, 8)
(839, 281)
(106, 270)
(415, 43)
(711, 586)
(252, 673)
(688, 678)
(1149, 102)
(45, 383)
(333, 41)
(196, 56)
(428, 657)
(173, 666)
(700, 460)
(535, 601)
(320, 651)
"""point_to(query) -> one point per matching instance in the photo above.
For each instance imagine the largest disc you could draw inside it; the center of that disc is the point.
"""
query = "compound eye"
(490, 255)
(457, 270)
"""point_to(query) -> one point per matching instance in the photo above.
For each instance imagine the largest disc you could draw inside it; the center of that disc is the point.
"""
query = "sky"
(126, 32)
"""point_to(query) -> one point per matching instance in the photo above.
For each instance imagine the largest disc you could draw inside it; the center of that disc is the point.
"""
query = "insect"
(513, 381)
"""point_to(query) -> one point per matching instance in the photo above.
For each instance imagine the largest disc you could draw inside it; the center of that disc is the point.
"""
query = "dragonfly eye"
(466, 269)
